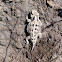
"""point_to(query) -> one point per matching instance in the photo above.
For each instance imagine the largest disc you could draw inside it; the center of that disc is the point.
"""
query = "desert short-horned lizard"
(34, 28)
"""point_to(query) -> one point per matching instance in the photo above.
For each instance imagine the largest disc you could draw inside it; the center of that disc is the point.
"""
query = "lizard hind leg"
(27, 39)
(40, 35)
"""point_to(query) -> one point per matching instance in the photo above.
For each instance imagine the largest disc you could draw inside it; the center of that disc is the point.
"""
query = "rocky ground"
(13, 47)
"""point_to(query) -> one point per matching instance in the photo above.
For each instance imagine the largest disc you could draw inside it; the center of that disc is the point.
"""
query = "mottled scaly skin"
(34, 28)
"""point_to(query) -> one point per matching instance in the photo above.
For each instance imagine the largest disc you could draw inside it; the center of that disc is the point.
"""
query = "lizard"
(34, 28)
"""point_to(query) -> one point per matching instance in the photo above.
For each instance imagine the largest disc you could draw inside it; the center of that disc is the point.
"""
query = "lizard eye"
(31, 13)
(32, 18)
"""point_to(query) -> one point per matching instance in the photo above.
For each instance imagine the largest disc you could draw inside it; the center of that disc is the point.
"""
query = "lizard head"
(34, 12)
(35, 15)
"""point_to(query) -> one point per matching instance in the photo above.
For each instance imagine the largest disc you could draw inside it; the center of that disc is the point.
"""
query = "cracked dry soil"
(13, 47)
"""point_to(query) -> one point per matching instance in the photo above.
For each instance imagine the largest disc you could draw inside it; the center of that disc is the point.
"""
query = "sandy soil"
(13, 47)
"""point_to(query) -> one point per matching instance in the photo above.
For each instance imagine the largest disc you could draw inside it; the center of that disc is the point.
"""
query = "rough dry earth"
(13, 47)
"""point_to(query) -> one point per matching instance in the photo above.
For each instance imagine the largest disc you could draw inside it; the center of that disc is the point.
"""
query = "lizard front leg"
(28, 20)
